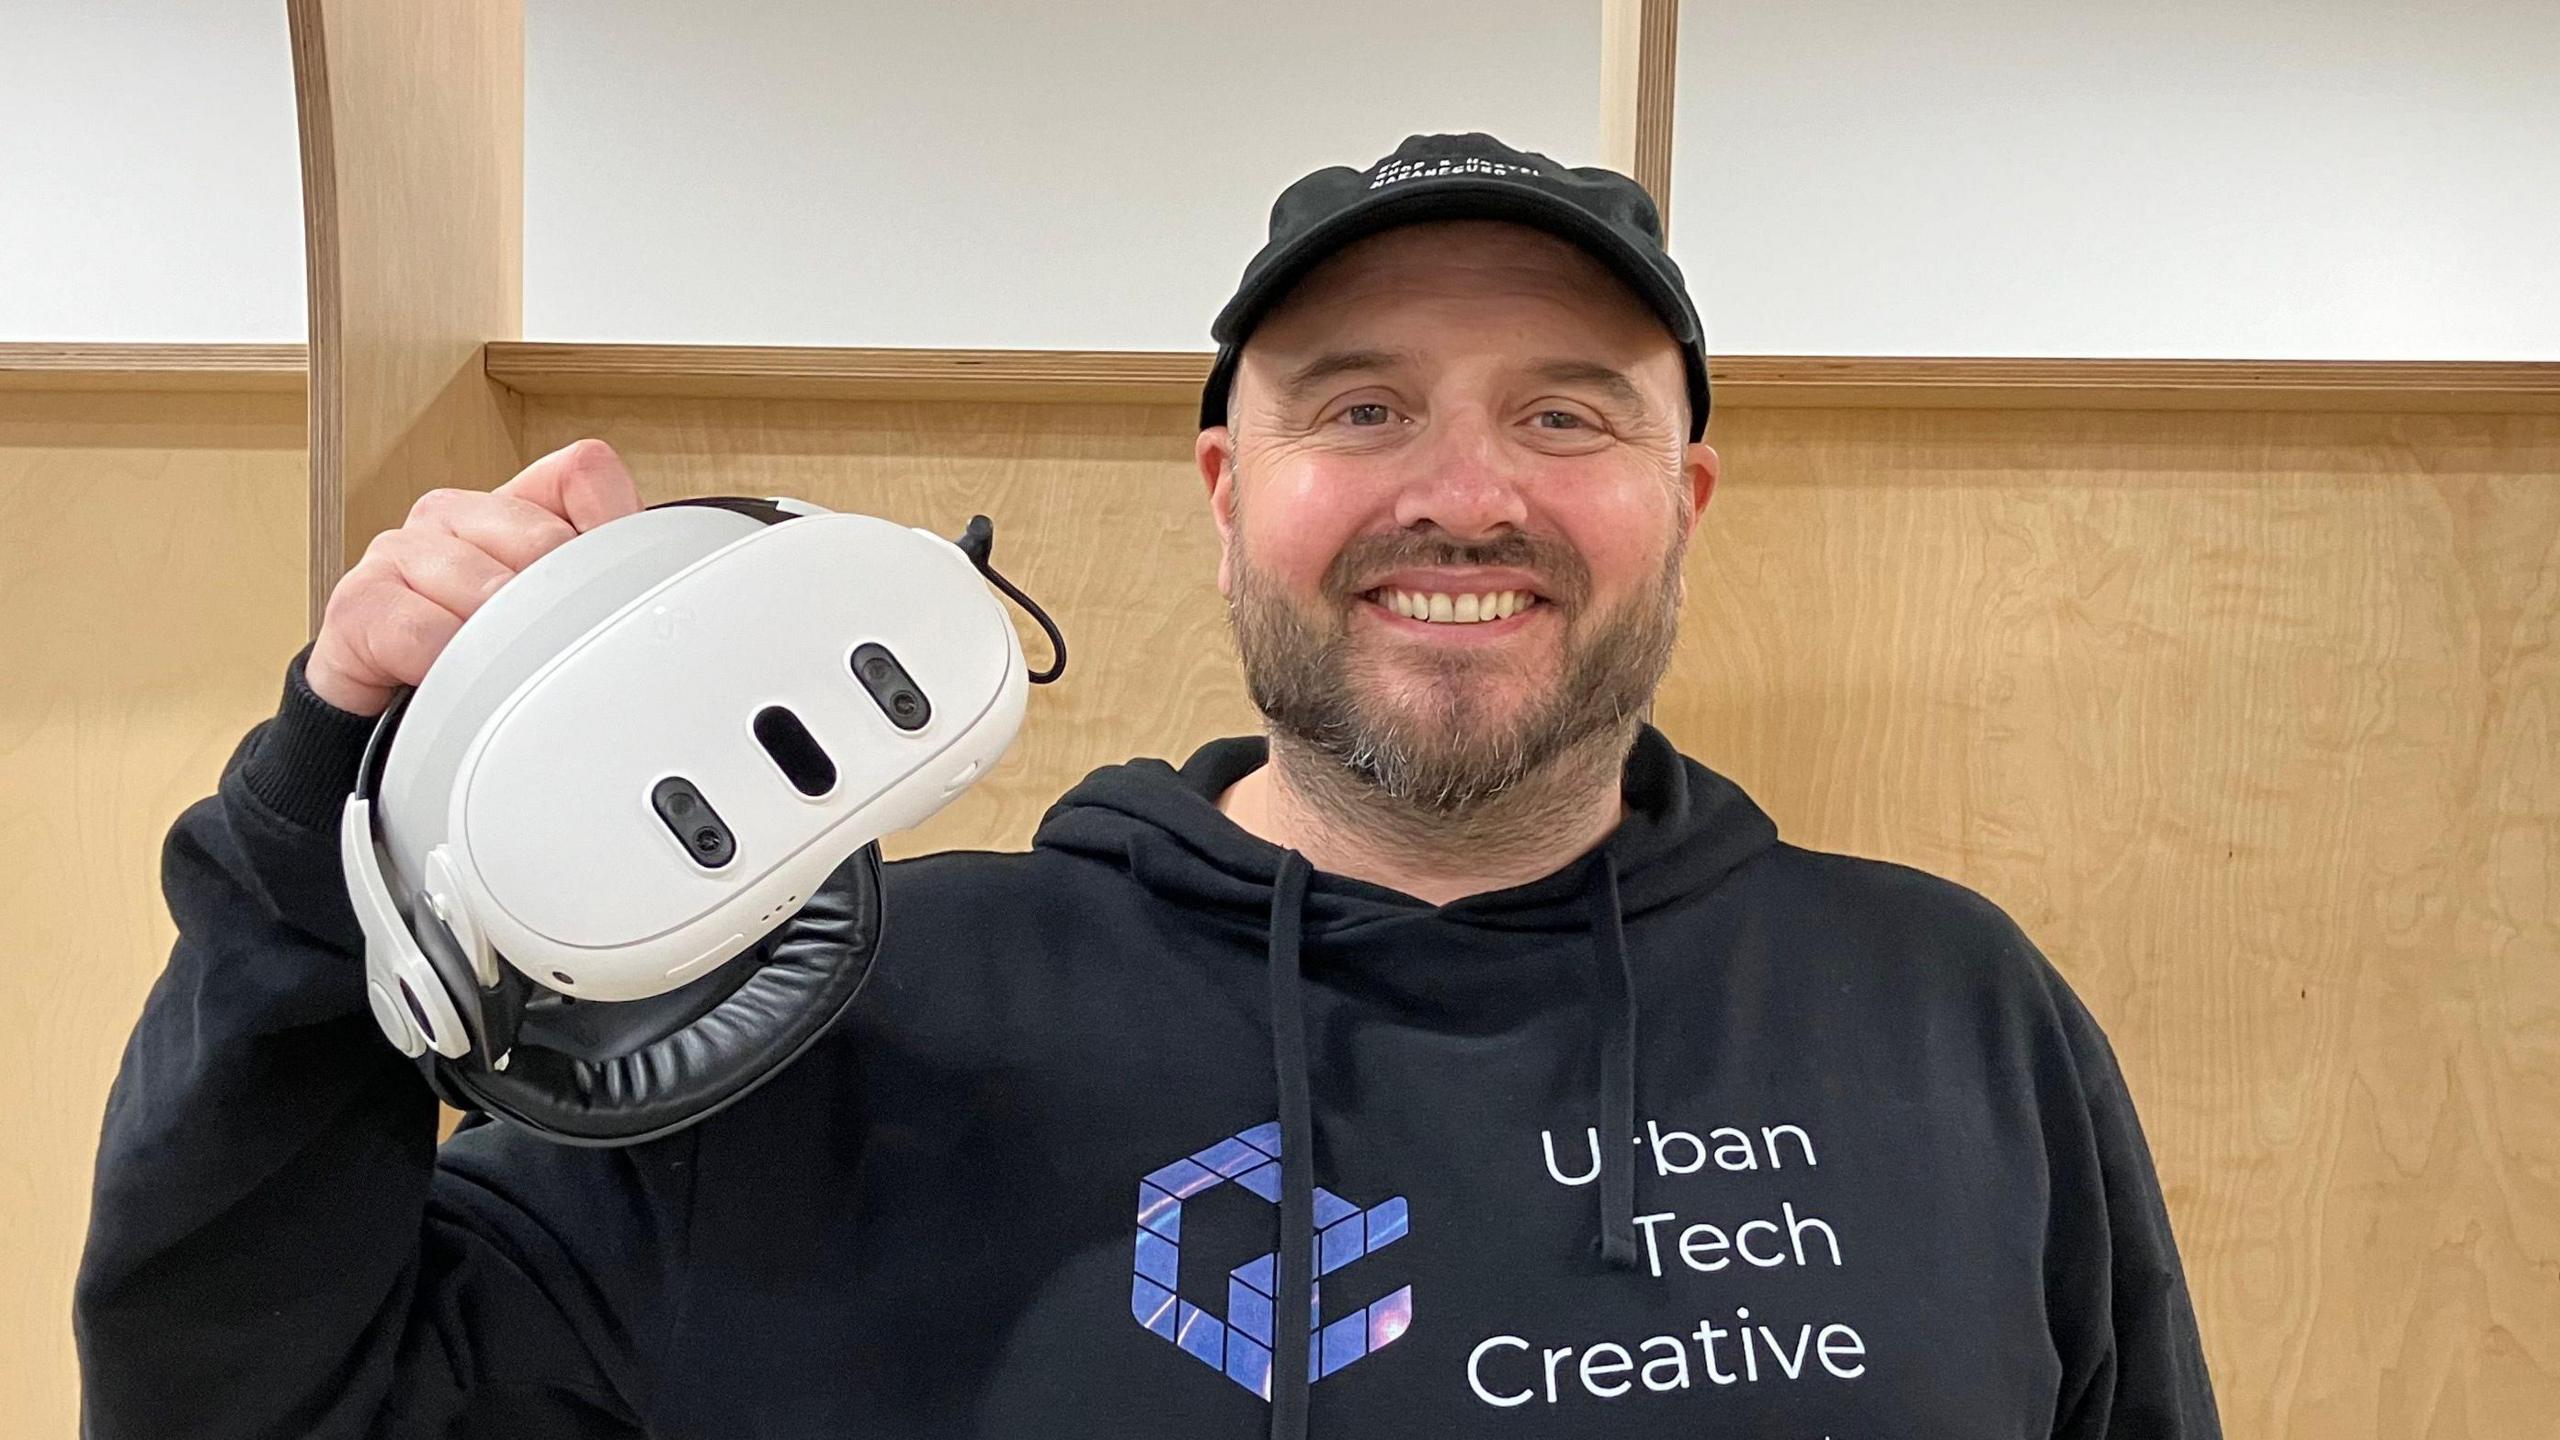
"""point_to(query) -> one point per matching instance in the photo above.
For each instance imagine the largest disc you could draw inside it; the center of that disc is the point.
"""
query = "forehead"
(1479, 273)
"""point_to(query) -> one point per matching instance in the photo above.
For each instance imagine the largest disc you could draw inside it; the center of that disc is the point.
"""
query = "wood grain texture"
(850, 372)
(1741, 381)
(2250, 720)
(1639, 65)
(1621, 31)
(151, 589)
(1961, 382)
(412, 129)
(273, 369)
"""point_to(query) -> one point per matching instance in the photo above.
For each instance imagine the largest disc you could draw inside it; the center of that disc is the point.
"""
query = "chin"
(1432, 716)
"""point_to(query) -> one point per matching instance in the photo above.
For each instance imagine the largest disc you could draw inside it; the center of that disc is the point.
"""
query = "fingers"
(392, 633)
(448, 571)
(509, 529)
(394, 612)
(583, 482)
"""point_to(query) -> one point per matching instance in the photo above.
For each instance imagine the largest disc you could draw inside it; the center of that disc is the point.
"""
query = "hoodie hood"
(1686, 827)
(1684, 830)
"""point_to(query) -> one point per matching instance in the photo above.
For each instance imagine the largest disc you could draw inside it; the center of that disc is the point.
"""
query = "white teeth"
(1456, 609)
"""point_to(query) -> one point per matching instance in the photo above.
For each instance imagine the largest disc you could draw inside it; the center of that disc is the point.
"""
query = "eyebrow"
(1613, 383)
(1337, 362)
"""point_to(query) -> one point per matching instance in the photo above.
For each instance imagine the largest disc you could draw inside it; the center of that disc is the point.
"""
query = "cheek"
(1294, 526)
(1621, 536)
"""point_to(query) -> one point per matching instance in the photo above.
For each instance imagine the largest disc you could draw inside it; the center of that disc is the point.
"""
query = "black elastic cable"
(979, 545)
(1057, 642)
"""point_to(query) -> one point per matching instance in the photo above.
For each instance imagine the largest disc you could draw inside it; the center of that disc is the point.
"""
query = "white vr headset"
(616, 858)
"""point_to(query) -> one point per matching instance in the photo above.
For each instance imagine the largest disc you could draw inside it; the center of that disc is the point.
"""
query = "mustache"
(1562, 576)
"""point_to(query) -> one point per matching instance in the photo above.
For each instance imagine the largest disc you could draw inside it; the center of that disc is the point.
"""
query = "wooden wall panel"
(151, 587)
(2250, 719)
(411, 115)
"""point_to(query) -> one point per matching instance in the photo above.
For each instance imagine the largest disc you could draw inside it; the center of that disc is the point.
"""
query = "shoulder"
(992, 892)
(1884, 898)
(1906, 928)
(978, 875)
(1921, 954)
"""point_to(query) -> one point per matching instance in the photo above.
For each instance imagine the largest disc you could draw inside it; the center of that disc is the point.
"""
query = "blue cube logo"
(1237, 1342)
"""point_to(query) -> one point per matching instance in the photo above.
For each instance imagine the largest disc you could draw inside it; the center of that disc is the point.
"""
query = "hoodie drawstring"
(1292, 1329)
(1617, 1070)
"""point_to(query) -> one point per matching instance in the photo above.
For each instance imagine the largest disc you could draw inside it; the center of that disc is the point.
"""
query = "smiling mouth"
(1435, 608)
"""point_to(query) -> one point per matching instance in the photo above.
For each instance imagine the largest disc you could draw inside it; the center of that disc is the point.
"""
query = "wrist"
(347, 697)
(304, 763)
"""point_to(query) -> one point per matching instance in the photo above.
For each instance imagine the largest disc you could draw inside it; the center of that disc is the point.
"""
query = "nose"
(1465, 480)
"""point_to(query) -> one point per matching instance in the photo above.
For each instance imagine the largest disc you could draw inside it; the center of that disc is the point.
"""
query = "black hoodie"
(1704, 1133)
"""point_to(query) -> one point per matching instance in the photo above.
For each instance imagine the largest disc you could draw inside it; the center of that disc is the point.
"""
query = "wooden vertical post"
(1639, 61)
(412, 120)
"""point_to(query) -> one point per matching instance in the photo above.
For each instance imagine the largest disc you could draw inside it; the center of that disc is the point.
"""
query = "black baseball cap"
(1461, 177)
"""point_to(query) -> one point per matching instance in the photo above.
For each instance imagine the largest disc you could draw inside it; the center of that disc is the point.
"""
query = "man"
(1573, 1100)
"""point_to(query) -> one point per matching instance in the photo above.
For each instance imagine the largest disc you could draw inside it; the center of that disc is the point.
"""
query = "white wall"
(2249, 178)
(2372, 179)
(1032, 173)
(150, 179)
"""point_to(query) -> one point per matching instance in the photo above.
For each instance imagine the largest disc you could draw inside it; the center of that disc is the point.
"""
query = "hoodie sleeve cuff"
(304, 764)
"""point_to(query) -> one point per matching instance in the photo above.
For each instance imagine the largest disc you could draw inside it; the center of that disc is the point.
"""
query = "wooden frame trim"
(411, 117)
(850, 372)
(2109, 384)
(325, 412)
(1639, 67)
(243, 369)
(1174, 377)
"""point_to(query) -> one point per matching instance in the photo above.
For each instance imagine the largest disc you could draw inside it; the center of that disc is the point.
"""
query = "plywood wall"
(2252, 720)
(151, 586)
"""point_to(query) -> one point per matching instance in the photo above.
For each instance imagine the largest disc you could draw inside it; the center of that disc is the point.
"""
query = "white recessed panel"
(1013, 174)
(2348, 179)
(150, 178)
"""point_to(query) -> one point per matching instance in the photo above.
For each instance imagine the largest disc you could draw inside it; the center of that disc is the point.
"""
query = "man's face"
(1447, 422)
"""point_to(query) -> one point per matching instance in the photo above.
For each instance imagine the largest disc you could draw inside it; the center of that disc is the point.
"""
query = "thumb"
(583, 482)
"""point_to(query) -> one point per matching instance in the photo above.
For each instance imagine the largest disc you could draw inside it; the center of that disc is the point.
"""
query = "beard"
(1419, 728)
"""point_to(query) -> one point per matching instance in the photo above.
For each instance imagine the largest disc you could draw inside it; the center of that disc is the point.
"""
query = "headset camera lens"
(892, 688)
(692, 821)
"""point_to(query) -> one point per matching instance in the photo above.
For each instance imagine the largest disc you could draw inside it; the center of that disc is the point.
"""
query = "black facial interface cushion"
(693, 1051)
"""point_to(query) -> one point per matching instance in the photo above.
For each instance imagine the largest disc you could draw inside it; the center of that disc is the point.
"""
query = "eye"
(1368, 415)
(1571, 420)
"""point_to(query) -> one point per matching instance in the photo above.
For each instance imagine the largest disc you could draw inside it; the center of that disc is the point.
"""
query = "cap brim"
(1455, 197)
